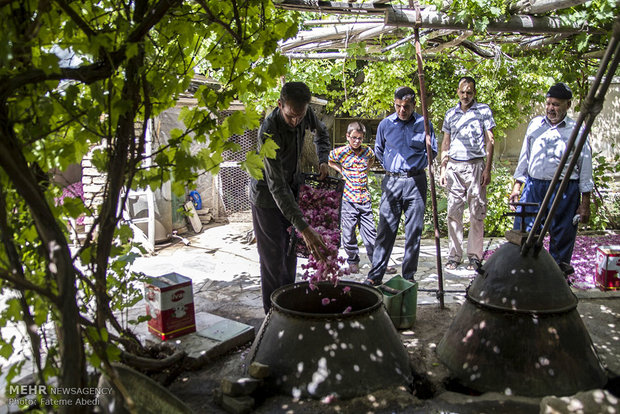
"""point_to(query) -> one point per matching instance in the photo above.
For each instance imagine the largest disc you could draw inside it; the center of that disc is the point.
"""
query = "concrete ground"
(224, 269)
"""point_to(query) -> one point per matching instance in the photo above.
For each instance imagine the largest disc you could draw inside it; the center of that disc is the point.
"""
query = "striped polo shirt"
(466, 130)
(354, 170)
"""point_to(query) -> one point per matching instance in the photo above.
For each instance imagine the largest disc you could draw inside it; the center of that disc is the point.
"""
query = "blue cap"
(560, 91)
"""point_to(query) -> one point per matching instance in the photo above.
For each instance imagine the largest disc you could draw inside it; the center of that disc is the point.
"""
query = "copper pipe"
(429, 150)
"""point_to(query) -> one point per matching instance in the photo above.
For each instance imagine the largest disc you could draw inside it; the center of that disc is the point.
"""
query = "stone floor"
(220, 254)
(224, 270)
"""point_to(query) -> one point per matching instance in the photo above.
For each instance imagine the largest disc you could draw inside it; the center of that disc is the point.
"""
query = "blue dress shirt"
(401, 145)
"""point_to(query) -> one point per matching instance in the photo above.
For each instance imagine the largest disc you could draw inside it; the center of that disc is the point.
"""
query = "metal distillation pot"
(315, 350)
(519, 331)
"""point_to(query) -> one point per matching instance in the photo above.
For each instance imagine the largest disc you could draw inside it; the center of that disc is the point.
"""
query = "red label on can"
(178, 295)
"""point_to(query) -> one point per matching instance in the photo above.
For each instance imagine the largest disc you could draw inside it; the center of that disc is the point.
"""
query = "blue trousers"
(399, 195)
(562, 231)
(353, 215)
(277, 265)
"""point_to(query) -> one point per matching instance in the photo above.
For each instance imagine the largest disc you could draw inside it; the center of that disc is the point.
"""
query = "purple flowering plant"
(74, 190)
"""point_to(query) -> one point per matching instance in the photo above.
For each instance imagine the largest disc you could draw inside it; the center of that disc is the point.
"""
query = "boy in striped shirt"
(353, 161)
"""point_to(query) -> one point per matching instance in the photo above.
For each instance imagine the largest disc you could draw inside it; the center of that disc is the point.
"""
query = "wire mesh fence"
(234, 183)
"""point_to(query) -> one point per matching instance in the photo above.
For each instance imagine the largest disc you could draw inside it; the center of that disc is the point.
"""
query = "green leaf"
(94, 360)
(268, 149)
(6, 350)
(13, 310)
(253, 165)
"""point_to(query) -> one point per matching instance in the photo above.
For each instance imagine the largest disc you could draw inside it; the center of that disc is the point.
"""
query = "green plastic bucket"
(400, 297)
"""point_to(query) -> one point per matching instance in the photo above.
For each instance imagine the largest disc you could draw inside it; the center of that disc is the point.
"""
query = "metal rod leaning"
(431, 178)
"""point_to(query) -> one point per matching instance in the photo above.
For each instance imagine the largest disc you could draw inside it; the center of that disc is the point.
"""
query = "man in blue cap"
(543, 147)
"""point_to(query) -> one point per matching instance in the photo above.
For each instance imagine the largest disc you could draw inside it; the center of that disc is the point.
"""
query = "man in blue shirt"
(401, 147)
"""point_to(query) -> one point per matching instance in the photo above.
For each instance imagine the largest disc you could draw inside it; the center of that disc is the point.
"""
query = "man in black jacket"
(274, 198)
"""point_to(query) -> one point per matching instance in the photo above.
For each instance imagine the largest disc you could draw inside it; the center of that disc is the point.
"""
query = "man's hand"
(584, 208)
(486, 178)
(315, 243)
(443, 181)
(514, 196)
(323, 170)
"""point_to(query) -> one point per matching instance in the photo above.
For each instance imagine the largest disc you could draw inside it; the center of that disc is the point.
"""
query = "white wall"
(604, 136)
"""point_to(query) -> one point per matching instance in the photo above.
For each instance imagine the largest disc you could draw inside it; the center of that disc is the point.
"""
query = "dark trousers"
(353, 215)
(399, 195)
(277, 266)
(562, 231)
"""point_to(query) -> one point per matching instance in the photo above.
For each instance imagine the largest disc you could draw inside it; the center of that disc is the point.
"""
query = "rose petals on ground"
(583, 259)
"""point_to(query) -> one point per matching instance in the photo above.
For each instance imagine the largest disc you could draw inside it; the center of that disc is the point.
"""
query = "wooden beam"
(453, 42)
(597, 54)
(341, 42)
(542, 6)
(371, 33)
(343, 55)
(333, 7)
(397, 16)
(326, 33)
(468, 44)
(540, 42)
(339, 21)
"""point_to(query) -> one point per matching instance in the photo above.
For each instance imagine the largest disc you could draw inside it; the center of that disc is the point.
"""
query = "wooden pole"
(431, 175)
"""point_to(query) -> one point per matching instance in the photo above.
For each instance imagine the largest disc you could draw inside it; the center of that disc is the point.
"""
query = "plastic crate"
(329, 184)
(400, 297)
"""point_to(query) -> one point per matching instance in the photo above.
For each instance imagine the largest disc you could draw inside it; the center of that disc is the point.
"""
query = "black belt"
(411, 173)
(469, 160)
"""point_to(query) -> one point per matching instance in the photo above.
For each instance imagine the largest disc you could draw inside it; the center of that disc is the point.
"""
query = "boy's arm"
(332, 160)
(335, 166)
(371, 162)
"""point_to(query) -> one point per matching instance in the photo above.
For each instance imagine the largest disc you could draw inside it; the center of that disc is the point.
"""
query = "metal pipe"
(429, 150)
(463, 291)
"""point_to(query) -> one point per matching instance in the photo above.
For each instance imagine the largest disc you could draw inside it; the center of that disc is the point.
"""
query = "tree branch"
(89, 73)
(17, 269)
(454, 42)
(57, 255)
(88, 31)
(468, 44)
(215, 19)
(24, 284)
(151, 18)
